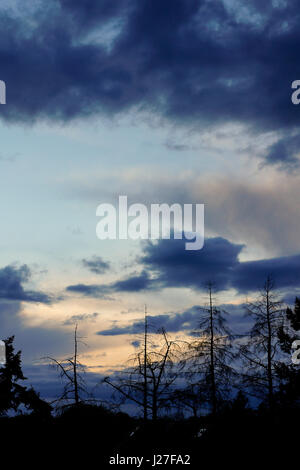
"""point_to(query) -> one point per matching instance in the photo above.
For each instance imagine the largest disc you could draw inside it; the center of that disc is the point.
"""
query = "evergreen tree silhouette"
(12, 393)
(289, 373)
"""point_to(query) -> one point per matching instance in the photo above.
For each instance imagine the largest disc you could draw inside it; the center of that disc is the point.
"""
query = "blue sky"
(172, 101)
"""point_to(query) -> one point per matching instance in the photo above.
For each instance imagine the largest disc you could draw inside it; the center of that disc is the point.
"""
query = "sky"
(165, 102)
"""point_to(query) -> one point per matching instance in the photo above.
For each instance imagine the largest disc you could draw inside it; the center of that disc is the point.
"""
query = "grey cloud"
(81, 318)
(12, 280)
(284, 153)
(133, 283)
(186, 321)
(96, 265)
(182, 61)
(91, 290)
(261, 211)
(167, 264)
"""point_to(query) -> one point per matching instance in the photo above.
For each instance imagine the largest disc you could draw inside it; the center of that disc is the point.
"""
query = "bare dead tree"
(145, 366)
(210, 355)
(157, 365)
(71, 372)
(260, 353)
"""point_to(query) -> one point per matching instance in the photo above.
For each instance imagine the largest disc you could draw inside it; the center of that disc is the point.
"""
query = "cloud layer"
(96, 265)
(186, 321)
(197, 62)
(12, 279)
(166, 264)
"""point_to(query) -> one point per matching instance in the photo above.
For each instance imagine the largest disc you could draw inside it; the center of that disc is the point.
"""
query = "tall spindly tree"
(211, 354)
(261, 352)
(71, 371)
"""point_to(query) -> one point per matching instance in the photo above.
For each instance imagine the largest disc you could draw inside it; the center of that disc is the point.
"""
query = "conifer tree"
(211, 355)
(12, 394)
(261, 353)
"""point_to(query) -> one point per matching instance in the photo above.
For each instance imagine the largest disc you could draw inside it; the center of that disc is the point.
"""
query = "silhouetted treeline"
(204, 374)
(217, 390)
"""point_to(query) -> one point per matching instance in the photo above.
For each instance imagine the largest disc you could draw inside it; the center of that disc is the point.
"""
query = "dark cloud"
(175, 266)
(96, 265)
(91, 290)
(284, 153)
(12, 279)
(175, 322)
(195, 62)
(167, 264)
(172, 323)
(251, 275)
(218, 262)
(134, 283)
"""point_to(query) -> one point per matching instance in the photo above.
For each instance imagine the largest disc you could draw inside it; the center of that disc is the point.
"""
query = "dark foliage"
(13, 395)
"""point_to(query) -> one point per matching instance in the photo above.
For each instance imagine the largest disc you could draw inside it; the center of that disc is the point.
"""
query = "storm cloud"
(194, 63)
(12, 279)
(166, 264)
(219, 263)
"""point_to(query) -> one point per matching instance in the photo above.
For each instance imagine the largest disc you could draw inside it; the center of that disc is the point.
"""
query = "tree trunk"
(145, 369)
(212, 361)
(76, 395)
(269, 353)
(154, 406)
